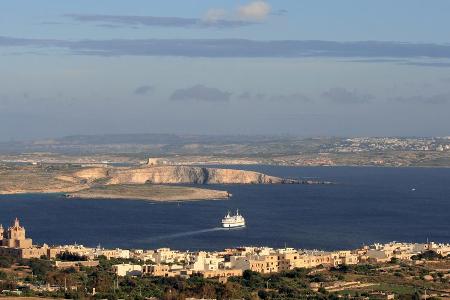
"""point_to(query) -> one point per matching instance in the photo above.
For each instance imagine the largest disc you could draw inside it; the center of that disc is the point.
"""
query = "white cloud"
(256, 10)
(253, 12)
(214, 15)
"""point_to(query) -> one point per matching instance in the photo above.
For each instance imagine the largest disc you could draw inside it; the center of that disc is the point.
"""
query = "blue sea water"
(365, 205)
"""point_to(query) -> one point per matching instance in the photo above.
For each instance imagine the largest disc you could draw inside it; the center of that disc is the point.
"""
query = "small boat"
(233, 221)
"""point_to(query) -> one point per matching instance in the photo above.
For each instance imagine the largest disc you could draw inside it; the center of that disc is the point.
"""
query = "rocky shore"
(150, 193)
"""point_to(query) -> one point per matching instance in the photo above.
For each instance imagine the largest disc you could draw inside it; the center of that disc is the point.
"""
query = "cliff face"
(185, 175)
(92, 173)
(238, 176)
(163, 175)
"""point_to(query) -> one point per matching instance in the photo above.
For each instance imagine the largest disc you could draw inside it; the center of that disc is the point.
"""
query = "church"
(13, 242)
(15, 236)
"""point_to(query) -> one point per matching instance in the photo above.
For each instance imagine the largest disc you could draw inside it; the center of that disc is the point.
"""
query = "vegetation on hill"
(407, 280)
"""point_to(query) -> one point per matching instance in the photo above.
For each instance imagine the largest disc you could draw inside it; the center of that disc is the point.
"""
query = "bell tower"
(16, 238)
(1, 234)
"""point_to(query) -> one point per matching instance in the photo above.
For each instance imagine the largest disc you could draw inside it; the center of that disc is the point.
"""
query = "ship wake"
(182, 234)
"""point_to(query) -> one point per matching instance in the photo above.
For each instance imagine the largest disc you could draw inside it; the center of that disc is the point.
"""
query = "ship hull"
(233, 225)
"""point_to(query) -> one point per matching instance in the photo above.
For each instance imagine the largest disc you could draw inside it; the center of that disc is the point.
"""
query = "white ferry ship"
(235, 221)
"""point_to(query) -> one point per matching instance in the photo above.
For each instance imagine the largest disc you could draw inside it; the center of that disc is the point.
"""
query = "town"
(367, 144)
(219, 266)
(204, 150)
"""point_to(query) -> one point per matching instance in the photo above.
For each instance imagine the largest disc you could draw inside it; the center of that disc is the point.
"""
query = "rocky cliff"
(91, 174)
(180, 175)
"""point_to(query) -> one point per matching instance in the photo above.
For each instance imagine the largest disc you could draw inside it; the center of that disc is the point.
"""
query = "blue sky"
(296, 67)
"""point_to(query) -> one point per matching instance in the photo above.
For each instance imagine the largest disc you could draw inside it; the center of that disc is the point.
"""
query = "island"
(150, 181)
(150, 192)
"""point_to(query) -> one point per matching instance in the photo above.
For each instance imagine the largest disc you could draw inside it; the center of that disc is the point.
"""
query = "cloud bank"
(200, 93)
(433, 99)
(245, 15)
(236, 48)
(213, 19)
(343, 96)
(280, 98)
(143, 90)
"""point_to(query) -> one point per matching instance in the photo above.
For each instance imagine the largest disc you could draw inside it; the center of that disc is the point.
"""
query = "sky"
(285, 67)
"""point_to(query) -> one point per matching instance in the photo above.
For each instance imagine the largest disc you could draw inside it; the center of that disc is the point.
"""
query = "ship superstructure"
(233, 221)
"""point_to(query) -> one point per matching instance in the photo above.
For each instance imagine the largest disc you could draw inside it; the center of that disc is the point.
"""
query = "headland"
(149, 181)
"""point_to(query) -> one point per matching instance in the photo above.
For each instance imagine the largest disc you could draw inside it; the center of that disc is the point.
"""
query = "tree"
(427, 255)
(253, 280)
(263, 294)
(296, 273)
(68, 256)
(394, 260)
(5, 262)
(3, 275)
(40, 267)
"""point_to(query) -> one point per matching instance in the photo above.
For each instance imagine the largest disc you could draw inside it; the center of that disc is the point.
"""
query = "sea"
(364, 205)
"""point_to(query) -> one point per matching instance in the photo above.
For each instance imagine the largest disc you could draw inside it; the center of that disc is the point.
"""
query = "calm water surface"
(366, 205)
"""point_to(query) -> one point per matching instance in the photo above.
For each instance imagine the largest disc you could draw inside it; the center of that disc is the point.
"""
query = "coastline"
(160, 193)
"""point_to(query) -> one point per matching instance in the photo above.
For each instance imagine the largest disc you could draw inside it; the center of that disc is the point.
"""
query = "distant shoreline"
(218, 165)
(185, 194)
(169, 194)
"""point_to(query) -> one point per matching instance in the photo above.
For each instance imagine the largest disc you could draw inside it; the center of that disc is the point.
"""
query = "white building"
(127, 270)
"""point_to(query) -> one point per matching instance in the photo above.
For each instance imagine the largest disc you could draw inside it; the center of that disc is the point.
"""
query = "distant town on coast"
(233, 150)
(79, 271)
